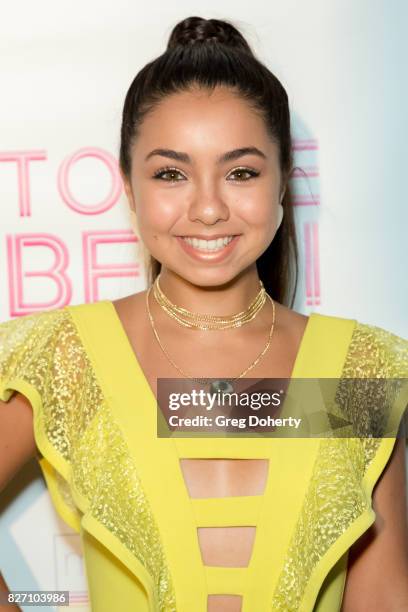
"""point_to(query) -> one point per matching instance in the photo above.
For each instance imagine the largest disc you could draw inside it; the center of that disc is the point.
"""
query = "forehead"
(203, 121)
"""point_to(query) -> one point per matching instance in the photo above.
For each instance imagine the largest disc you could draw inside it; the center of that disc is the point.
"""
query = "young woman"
(210, 524)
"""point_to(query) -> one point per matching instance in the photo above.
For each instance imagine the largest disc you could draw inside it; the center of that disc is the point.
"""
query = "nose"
(208, 206)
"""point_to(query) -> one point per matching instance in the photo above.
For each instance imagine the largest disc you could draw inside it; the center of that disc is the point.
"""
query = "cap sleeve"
(338, 506)
(39, 359)
(89, 469)
(377, 405)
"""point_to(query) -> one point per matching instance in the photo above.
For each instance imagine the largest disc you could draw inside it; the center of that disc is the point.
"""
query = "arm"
(17, 443)
(17, 446)
(3, 591)
(377, 576)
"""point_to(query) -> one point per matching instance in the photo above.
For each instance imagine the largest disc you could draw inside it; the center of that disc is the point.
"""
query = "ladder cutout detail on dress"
(226, 603)
(224, 477)
(226, 546)
(226, 496)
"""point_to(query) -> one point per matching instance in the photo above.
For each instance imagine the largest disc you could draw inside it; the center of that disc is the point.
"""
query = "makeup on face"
(206, 175)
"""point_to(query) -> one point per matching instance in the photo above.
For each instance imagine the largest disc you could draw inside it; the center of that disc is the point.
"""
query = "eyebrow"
(225, 157)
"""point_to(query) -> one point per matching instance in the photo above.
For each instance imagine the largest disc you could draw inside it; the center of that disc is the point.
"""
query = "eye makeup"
(241, 169)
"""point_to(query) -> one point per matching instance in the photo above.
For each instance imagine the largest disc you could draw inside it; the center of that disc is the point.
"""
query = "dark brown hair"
(206, 53)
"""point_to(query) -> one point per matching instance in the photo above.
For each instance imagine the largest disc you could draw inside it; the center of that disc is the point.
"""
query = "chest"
(217, 477)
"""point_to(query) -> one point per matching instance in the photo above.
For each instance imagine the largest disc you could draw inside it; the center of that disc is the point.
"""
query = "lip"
(206, 237)
(216, 256)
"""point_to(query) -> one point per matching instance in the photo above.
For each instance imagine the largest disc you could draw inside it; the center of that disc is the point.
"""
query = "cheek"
(157, 214)
(258, 213)
(261, 218)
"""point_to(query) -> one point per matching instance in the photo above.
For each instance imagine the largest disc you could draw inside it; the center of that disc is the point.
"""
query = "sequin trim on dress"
(45, 350)
(335, 497)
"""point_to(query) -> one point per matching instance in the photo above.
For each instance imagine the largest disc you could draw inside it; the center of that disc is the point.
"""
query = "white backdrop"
(64, 230)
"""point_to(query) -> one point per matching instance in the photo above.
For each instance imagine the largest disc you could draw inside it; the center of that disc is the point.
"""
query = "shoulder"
(378, 352)
(29, 331)
(132, 312)
(36, 346)
(135, 302)
(42, 357)
(32, 320)
(292, 323)
(373, 351)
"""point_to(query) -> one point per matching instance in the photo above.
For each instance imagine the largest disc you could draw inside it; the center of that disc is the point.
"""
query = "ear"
(128, 190)
(284, 184)
(282, 196)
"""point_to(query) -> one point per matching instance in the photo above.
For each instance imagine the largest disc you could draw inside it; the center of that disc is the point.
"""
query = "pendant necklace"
(201, 321)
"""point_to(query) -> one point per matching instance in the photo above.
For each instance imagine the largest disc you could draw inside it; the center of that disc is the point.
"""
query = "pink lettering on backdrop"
(22, 159)
(309, 171)
(305, 150)
(94, 271)
(305, 144)
(312, 272)
(63, 181)
(306, 200)
(17, 245)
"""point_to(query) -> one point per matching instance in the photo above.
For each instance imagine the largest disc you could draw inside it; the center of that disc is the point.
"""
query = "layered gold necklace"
(202, 321)
(206, 321)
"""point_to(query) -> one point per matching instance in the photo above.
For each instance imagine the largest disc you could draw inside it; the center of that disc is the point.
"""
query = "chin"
(204, 277)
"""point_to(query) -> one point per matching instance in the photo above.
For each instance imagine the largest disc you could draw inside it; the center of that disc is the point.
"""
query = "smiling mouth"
(210, 245)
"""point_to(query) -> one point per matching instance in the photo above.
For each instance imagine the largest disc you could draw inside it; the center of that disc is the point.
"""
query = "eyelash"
(158, 175)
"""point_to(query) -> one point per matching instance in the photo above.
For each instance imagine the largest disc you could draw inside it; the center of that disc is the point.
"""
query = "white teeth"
(208, 245)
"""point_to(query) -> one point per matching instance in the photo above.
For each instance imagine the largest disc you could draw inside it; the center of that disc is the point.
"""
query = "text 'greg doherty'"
(242, 423)
(255, 401)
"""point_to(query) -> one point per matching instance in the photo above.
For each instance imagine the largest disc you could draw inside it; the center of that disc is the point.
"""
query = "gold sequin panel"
(335, 497)
(44, 349)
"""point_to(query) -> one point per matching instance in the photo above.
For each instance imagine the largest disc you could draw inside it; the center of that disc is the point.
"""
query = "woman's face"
(193, 178)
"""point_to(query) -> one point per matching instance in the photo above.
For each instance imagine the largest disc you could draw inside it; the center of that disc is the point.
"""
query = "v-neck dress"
(121, 487)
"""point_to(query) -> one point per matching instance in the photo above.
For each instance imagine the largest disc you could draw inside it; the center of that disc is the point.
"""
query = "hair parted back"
(208, 53)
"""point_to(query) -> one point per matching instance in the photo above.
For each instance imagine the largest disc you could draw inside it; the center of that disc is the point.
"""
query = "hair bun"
(194, 30)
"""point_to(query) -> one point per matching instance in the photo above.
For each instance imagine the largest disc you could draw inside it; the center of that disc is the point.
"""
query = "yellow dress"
(122, 489)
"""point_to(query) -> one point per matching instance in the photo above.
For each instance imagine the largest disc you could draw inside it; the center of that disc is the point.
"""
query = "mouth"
(209, 245)
(213, 249)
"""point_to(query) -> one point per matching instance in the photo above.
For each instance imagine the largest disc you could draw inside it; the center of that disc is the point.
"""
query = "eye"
(245, 171)
(244, 174)
(170, 171)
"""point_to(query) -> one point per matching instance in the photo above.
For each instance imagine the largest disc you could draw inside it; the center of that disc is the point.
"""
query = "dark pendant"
(223, 386)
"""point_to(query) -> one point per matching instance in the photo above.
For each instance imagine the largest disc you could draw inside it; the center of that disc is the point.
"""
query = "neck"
(216, 299)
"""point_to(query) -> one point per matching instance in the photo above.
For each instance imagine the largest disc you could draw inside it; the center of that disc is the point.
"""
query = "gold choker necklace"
(218, 385)
(206, 321)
